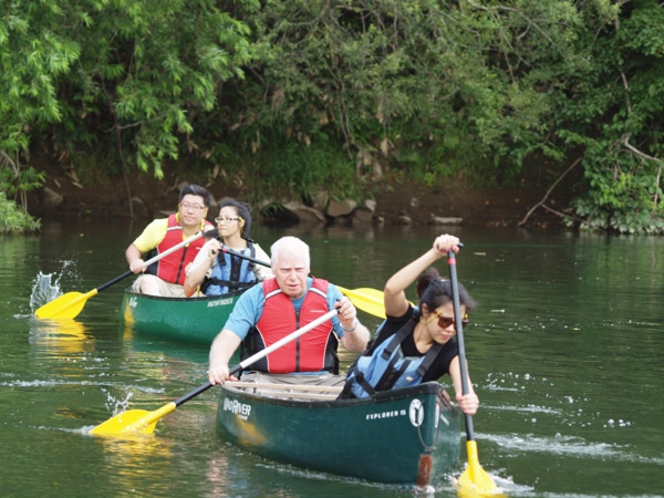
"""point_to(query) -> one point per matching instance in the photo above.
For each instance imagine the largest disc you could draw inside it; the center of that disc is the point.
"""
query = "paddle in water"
(144, 422)
(69, 305)
(475, 480)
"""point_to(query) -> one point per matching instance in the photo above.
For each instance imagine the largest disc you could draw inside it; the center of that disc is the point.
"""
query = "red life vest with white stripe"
(314, 351)
(172, 267)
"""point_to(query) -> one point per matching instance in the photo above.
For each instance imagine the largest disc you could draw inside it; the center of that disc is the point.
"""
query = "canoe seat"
(288, 391)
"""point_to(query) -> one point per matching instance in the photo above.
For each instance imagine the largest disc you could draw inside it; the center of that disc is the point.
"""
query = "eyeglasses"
(226, 219)
(446, 321)
(193, 207)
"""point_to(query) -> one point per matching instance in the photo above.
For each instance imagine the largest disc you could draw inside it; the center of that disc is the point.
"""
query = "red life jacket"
(314, 351)
(172, 267)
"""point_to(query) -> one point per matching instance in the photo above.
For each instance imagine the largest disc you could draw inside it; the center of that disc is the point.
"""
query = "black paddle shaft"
(114, 281)
(451, 261)
(201, 389)
(248, 258)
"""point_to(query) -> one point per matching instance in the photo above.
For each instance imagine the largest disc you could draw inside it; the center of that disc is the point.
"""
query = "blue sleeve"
(247, 311)
(334, 295)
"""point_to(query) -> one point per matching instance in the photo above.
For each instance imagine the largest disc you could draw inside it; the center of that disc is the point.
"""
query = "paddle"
(69, 305)
(366, 299)
(144, 422)
(475, 479)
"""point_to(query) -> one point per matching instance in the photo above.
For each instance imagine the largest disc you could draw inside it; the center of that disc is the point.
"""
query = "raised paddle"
(475, 480)
(366, 299)
(144, 422)
(69, 305)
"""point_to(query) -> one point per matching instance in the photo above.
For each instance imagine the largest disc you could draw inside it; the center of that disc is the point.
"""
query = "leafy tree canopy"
(290, 95)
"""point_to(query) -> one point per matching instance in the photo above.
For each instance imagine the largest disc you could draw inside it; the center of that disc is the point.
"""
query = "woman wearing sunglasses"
(217, 271)
(416, 344)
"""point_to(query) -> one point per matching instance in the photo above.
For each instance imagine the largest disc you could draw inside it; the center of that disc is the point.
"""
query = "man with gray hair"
(280, 305)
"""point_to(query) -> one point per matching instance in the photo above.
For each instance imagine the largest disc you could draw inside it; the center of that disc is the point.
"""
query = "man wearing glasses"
(166, 277)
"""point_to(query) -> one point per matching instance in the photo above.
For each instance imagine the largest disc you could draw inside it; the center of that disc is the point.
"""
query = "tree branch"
(548, 192)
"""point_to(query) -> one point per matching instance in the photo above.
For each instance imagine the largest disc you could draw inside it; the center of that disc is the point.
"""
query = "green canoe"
(406, 436)
(194, 319)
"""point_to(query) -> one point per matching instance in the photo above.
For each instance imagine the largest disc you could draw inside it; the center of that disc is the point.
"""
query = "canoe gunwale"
(129, 291)
(378, 398)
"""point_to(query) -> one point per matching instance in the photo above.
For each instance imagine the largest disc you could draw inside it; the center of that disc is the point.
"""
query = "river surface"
(565, 350)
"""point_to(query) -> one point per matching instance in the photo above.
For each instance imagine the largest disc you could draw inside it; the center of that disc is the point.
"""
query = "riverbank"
(396, 201)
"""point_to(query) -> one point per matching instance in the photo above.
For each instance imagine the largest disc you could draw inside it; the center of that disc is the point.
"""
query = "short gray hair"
(290, 244)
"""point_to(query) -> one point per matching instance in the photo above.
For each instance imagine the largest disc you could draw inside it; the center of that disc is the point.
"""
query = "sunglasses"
(446, 321)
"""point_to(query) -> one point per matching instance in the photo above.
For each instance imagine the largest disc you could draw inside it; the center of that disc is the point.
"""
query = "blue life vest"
(385, 367)
(231, 273)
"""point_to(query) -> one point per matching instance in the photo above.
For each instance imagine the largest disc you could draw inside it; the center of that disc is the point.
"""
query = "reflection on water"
(133, 460)
(61, 337)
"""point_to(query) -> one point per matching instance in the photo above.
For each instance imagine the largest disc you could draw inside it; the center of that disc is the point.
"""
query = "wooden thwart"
(291, 391)
(294, 387)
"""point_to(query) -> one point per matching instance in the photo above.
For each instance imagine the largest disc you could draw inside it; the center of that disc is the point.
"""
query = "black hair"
(197, 190)
(434, 291)
(243, 211)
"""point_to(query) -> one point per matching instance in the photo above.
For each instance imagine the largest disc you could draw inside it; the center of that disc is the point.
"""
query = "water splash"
(46, 287)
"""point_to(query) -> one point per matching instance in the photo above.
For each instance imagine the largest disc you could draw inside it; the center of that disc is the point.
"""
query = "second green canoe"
(194, 319)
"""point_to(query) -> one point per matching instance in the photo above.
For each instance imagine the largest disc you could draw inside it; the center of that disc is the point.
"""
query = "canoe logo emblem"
(242, 410)
(132, 302)
(220, 302)
(416, 412)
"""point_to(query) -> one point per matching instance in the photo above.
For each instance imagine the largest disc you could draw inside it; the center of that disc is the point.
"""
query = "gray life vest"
(385, 367)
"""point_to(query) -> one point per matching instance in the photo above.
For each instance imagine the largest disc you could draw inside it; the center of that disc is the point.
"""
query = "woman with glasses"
(416, 344)
(216, 270)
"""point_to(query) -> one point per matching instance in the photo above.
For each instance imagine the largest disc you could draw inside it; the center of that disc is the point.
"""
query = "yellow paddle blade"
(132, 422)
(66, 306)
(367, 300)
(475, 481)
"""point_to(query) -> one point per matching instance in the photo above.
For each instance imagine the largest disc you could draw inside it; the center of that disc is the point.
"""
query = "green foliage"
(295, 171)
(289, 95)
(138, 71)
(437, 88)
(612, 112)
(15, 179)
(13, 219)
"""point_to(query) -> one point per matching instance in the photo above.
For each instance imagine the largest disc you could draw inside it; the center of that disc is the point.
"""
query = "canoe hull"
(406, 436)
(197, 320)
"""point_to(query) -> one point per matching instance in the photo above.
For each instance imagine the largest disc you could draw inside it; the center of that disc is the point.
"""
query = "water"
(565, 351)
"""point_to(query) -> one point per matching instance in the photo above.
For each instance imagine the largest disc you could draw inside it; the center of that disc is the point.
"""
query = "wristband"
(353, 327)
